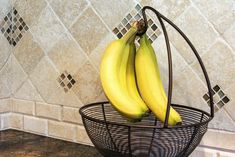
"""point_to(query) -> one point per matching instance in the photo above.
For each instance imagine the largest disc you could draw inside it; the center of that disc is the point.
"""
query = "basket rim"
(144, 126)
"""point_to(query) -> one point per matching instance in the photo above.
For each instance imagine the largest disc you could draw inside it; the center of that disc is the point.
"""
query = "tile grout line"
(76, 18)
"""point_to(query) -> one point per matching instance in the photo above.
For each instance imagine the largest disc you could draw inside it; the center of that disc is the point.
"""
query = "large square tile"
(47, 29)
(30, 10)
(169, 8)
(219, 62)
(68, 10)
(44, 78)
(88, 30)
(28, 92)
(197, 29)
(67, 55)
(28, 53)
(229, 36)
(219, 12)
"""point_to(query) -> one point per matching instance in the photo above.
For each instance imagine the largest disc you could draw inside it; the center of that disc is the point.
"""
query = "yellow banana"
(150, 84)
(113, 72)
(131, 79)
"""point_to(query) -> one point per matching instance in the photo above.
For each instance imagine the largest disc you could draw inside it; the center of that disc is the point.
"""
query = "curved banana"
(113, 72)
(150, 84)
(131, 78)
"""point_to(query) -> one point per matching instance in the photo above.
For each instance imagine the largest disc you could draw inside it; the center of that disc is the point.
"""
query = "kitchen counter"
(20, 144)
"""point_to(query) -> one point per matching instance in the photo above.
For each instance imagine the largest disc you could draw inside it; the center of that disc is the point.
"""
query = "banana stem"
(132, 32)
(137, 27)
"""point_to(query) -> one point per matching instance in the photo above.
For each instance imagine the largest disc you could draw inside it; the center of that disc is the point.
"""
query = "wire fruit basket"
(114, 136)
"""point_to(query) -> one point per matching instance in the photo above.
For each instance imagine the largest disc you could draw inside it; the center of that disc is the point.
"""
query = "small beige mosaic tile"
(88, 87)
(112, 13)
(66, 54)
(229, 36)
(88, 30)
(197, 29)
(44, 78)
(68, 10)
(28, 52)
(29, 9)
(47, 29)
(219, 13)
(170, 9)
(28, 92)
(218, 61)
(4, 51)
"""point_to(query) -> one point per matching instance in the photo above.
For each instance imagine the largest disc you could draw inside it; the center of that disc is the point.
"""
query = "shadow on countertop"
(21, 144)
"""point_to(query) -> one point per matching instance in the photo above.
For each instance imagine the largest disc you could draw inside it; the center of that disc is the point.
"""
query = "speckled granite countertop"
(20, 144)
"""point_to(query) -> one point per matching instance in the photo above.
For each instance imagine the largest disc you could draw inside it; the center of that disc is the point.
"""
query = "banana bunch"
(117, 74)
(131, 80)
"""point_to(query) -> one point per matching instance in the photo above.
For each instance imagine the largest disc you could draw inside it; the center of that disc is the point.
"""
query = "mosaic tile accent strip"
(13, 27)
(219, 97)
(134, 15)
(66, 81)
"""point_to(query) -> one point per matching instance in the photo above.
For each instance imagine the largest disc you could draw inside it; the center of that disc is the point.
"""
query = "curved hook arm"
(160, 17)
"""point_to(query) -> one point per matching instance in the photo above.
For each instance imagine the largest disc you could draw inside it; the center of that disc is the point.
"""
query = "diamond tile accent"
(66, 81)
(219, 97)
(13, 27)
(135, 15)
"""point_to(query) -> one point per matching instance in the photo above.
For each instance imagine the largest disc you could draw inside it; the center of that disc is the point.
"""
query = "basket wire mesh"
(114, 136)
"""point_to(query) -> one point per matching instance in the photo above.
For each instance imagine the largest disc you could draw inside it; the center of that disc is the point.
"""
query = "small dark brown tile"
(220, 104)
(69, 77)
(62, 84)
(225, 99)
(119, 35)
(206, 97)
(216, 88)
(73, 81)
(154, 27)
(221, 93)
(69, 85)
(62, 76)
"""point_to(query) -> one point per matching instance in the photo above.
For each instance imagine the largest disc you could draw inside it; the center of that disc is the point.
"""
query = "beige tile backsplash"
(53, 69)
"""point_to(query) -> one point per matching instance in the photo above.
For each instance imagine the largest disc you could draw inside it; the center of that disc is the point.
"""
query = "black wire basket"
(114, 136)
